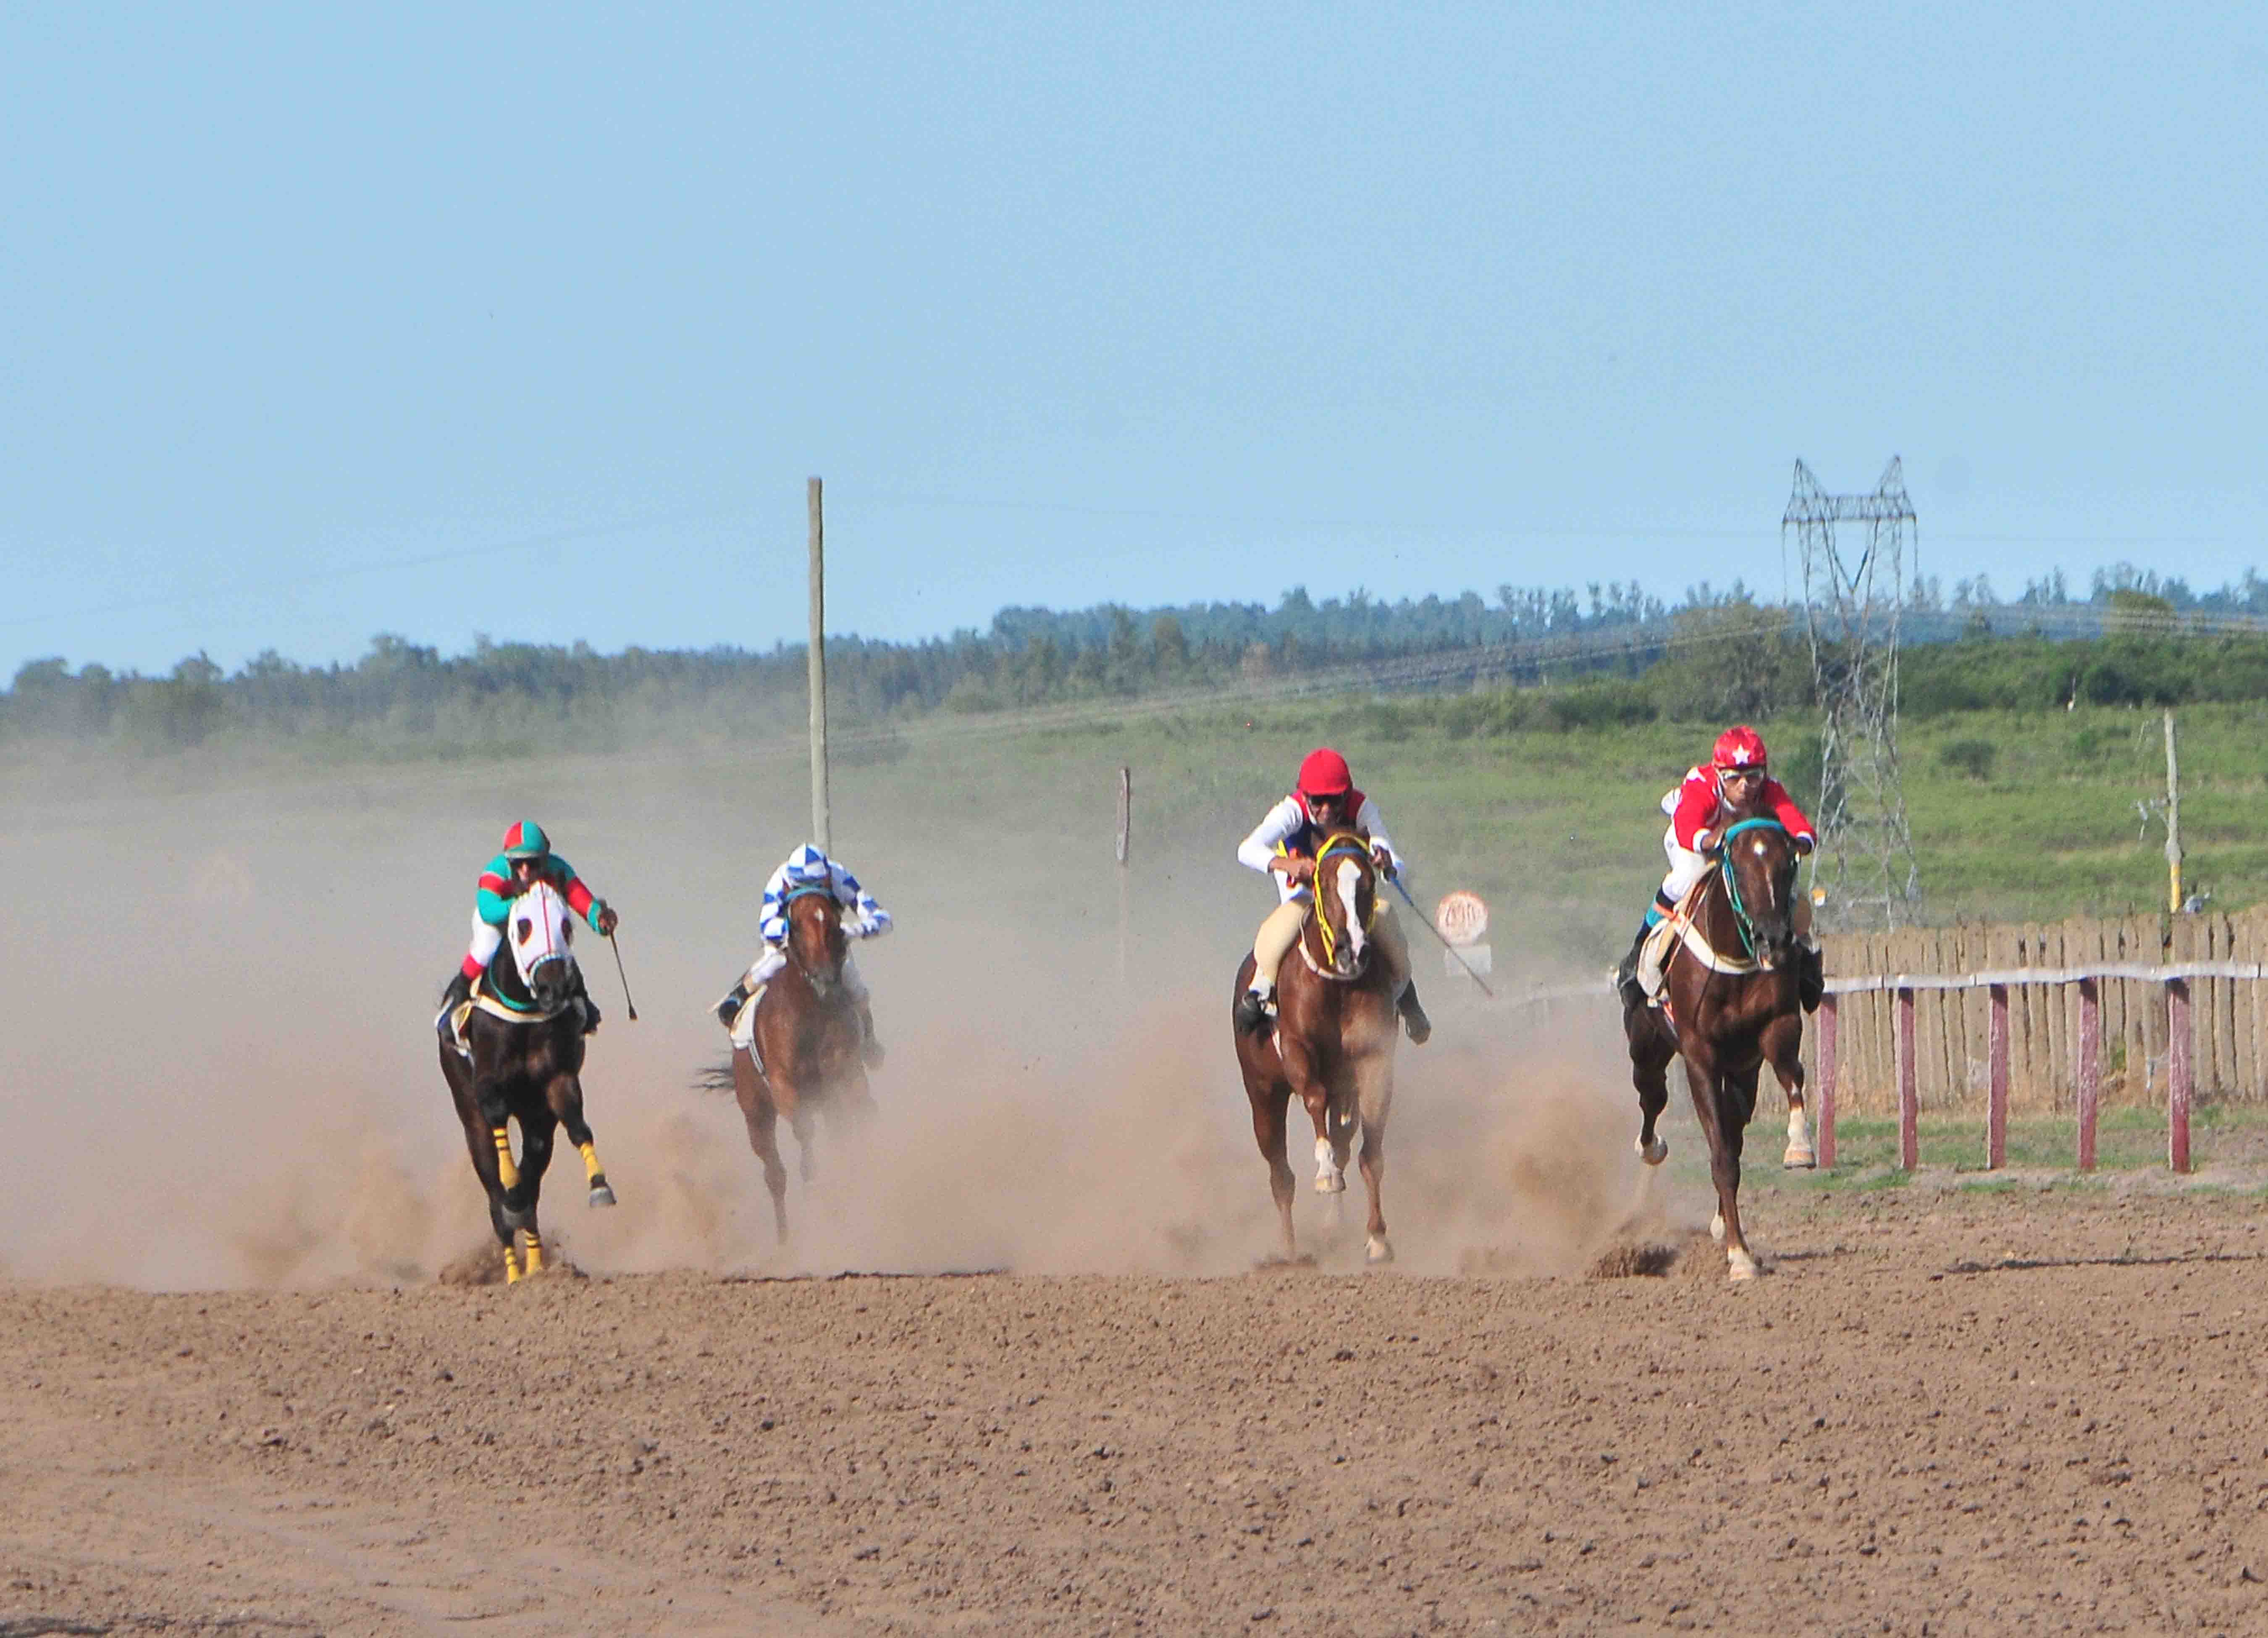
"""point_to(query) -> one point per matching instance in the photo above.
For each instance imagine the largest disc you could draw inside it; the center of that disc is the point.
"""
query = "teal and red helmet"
(526, 840)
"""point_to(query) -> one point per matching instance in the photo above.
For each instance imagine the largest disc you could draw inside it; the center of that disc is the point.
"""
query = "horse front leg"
(1271, 1109)
(565, 1096)
(761, 1115)
(1715, 1104)
(535, 1138)
(1783, 1049)
(1374, 1083)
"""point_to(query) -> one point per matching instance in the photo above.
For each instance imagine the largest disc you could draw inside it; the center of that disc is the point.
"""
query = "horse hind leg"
(1649, 1075)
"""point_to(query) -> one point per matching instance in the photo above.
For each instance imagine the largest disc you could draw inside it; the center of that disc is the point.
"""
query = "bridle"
(809, 889)
(1741, 919)
(1337, 842)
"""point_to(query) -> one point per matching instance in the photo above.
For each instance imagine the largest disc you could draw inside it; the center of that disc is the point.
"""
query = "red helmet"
(1324, 773)
(1740, 747)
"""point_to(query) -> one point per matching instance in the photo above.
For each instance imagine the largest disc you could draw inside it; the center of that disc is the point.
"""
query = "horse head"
(1759, 860)
(541, 935)
(1346, 900)
(816, 942)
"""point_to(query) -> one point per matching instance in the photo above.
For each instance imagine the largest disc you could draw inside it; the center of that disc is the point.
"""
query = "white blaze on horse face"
(539, 931)
(1348, 881)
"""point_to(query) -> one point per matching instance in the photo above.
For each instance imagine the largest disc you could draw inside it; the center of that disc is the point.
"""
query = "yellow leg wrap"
(510, 1266)
(507, 1171)
(535, 1252)
(591, 1167)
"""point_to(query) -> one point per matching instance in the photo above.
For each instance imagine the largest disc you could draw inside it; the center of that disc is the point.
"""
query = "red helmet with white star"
(1740, 747)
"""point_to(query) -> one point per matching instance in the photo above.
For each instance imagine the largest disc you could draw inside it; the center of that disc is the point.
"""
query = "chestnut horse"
(526, 1070)
(1333, 1041)
(807, 1037)
(1728, 1012)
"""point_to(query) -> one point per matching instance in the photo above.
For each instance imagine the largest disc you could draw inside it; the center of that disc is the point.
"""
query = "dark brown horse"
(807, 1038)
(525, 1070)
(1333, 1043)
(1728, 1008)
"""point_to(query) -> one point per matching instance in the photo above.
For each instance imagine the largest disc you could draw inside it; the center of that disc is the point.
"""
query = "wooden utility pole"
(2173, 823)
(818, 809)
(1125, 851)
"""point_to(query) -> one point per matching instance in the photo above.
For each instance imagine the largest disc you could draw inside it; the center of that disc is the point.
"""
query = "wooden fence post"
(1827, 1065)
(2177, 1074)
(1909, 1091)
(2090, 1066)
(1996, 1095)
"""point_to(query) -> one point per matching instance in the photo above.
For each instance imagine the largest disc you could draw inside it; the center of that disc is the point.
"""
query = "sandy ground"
(1019, 1369)
(1945, 1412)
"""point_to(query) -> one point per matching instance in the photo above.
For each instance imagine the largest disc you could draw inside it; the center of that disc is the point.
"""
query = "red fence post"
(1996, 1097)
(1908, 1089)
(2177, 1074)
(1826, 1082)
(2090, 1066)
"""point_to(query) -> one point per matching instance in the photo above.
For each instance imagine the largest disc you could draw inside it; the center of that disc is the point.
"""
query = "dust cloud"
(218, 1069)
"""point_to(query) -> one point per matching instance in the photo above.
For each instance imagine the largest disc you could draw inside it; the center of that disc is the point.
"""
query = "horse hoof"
(1741, 1265)
(1717, 1229)
(1652, 1154)
(1331, 1182)
(601, 1194)
(1800, 1158)
(1376, 1251)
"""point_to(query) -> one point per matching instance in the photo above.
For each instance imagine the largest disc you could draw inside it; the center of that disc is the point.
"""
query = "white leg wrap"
(1717, 1227)
(1328, 1178)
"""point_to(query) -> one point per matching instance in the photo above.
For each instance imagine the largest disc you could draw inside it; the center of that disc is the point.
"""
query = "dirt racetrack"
(1946, 1411)
(237, 1398)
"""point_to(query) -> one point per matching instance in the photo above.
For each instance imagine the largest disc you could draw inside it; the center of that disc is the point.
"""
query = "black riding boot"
(869, 1048)
(589, 1006)
(1810, 977)
(1413, 1016)
(1634, 992)
(728, 1010)
(459, 992)
(1251, 1012)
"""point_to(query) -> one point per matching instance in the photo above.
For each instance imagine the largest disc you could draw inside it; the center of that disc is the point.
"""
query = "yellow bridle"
(1340, 843)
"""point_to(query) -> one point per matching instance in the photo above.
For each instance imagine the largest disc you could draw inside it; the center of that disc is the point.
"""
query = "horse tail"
(717, 1078)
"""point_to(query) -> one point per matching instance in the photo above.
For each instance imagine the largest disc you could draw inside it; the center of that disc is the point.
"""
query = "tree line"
(1612, 653)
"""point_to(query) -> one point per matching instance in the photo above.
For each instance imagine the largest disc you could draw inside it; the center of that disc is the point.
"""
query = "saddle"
(1680, 927)
(485, 999)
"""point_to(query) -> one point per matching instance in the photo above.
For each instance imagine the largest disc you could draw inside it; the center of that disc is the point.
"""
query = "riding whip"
(624, 977)
(1437, 934)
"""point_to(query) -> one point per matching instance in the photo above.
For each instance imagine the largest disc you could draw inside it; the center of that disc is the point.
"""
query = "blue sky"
(532, 321)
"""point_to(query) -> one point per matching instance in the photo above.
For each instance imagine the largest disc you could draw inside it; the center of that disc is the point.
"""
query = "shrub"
(1972, 757)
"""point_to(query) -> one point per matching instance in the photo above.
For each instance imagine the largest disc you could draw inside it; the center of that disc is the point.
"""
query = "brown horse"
(807, 1039)
(530, 1072)
(1333, 1043)
(1727, 1014)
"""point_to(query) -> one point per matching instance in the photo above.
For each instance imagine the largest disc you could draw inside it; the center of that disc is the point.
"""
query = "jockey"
(1732, 786)
(809, 868)
(1324, 799)
(527, 858)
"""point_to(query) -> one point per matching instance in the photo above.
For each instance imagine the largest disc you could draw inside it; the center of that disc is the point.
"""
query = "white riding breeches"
(1686, 867)
(768, 965)
(487, 940)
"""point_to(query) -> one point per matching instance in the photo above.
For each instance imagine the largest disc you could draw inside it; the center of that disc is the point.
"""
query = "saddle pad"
(483, 1000)
(1653, 956)
(744, 1027)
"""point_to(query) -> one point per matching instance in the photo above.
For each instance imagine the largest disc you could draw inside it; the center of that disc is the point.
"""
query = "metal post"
(1996, 1097)
(1908, 1087)
(1125, 852)
(2090, 1066)
(818, 676)
(2177, 1074)
(1827, 1068)
(2173, 823)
